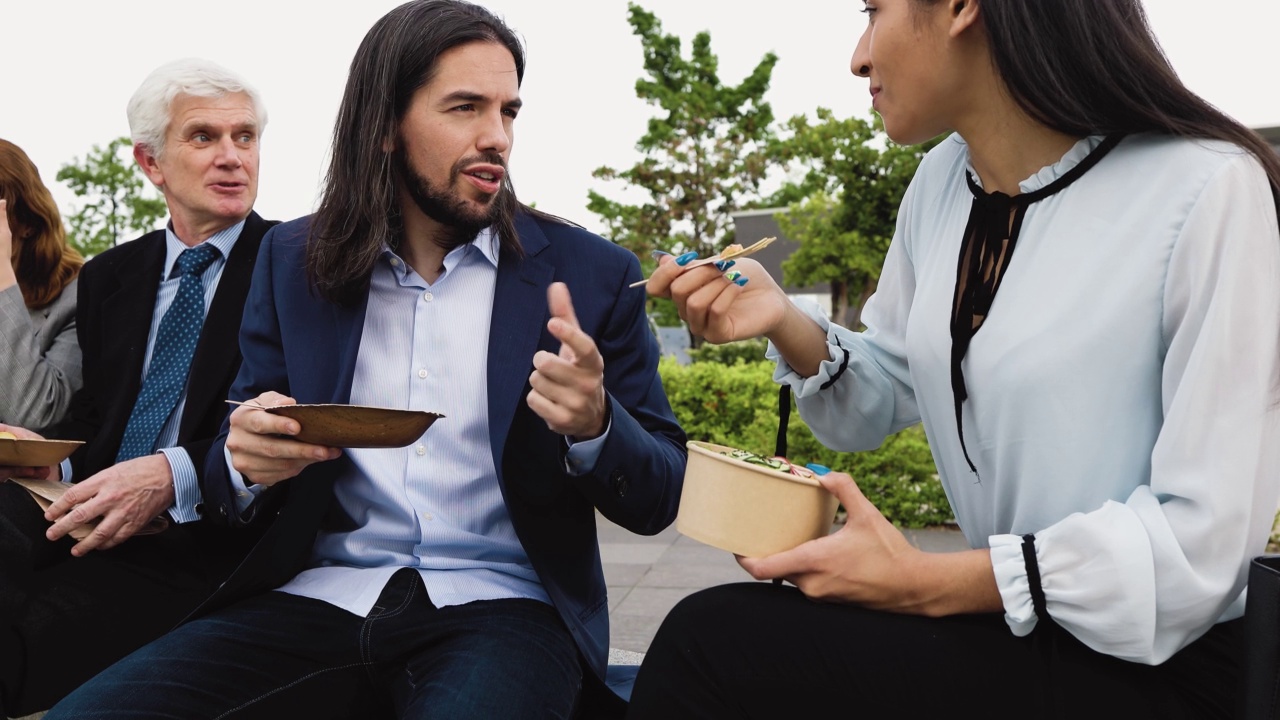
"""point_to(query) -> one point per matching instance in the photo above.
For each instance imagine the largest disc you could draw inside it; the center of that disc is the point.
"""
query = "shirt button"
(422, 373)
(428, 517)
(421, 450)
(395, 262)
(427, 296)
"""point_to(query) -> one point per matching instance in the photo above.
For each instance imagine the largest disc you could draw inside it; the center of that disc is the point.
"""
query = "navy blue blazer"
(296, 343)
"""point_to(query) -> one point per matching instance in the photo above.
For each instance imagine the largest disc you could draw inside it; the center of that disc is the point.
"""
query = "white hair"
(149, 107)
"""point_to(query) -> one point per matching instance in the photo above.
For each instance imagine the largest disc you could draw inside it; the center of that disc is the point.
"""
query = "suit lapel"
(128, 310)
(519, 318)
(348, 331)
(217, 352)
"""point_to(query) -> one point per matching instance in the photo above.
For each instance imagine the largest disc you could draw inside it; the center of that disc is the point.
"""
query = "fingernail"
(819, 469)
(741, 282)
(686, 258)
(723, 265)
(732, 275)
(659, 254)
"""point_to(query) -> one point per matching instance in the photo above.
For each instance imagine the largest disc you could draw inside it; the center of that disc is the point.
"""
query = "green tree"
(844, 209)
(117, 201)
(703, 156)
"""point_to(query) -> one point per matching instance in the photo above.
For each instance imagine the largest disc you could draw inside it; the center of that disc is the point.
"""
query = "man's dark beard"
(461, 224)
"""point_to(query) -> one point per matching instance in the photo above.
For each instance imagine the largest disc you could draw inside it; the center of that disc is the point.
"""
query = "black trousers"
(756, 650)
(63, 619)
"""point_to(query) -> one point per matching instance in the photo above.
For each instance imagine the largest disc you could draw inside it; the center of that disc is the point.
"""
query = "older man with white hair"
(158, 320)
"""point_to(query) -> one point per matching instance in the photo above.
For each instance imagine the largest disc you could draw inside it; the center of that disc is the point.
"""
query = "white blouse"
(1124, 392)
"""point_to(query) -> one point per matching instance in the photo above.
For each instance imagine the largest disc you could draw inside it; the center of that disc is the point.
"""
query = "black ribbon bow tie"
(990, 237)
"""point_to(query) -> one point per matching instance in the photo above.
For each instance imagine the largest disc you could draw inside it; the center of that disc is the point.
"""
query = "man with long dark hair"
(460, 576)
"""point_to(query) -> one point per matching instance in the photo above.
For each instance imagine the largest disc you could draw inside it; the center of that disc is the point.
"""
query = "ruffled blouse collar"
(1048, 173)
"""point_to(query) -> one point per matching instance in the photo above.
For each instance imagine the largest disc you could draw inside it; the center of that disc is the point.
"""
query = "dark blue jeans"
(279, 655)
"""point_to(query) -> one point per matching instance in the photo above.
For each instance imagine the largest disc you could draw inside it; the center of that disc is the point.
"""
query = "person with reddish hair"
(39, 358)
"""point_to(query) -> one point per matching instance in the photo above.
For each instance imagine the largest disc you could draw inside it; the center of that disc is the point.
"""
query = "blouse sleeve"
(36, 385)
(1141, 579)
(863, 392)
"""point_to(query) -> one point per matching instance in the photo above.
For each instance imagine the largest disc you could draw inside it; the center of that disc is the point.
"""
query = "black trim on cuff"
(1038, 601)
(844, 365)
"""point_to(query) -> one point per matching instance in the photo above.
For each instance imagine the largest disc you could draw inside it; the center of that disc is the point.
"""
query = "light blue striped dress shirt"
(186, 485)
(434, 505)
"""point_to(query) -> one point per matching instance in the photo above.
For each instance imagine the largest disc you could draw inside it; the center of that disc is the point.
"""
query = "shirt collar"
(223, 240)
(485, 243)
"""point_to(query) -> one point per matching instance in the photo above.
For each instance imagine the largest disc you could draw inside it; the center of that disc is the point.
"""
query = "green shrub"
(748, 351)
(736, 405)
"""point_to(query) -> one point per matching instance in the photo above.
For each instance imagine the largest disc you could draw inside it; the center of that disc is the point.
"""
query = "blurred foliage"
(117, 201)
(748, 351)
(704, 153)
(844, 211)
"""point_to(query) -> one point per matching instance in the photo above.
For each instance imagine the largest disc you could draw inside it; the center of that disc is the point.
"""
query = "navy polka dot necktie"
(171, 358)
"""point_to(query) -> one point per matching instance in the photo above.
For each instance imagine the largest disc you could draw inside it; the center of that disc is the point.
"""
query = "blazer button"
(620, 483)
(222, 510)
(200, 509)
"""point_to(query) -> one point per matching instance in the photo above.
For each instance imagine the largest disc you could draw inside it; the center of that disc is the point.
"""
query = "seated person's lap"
(279, 653)
(756, 650)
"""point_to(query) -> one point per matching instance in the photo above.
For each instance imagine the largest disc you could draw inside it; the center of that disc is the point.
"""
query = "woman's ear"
(964, 15)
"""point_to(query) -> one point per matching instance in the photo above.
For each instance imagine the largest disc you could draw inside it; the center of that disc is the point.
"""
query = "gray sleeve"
(39, 360)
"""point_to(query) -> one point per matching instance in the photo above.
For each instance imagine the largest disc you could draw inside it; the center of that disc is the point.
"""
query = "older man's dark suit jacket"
(300, 345)
(116, 302)
(78, 615)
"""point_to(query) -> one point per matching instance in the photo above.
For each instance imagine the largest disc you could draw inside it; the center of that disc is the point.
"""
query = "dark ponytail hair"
(1093, 67)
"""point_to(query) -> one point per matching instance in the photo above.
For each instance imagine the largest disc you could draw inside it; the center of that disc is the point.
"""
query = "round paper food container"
(748, 509)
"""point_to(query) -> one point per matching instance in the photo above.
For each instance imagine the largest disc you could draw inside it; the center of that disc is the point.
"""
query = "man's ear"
(964, 14)
(142, 155)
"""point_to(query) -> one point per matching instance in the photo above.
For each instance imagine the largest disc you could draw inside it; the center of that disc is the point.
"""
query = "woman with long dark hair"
(1082, 305)
(39, 354)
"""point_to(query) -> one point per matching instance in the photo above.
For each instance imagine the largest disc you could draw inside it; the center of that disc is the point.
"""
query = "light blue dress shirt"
(434, 505)
(186, 485)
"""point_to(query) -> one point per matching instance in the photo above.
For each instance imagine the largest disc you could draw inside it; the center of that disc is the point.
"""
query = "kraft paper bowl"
(747, 509)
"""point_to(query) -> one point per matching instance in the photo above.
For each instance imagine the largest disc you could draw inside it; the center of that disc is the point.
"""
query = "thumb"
(561, 304)
(844, 488)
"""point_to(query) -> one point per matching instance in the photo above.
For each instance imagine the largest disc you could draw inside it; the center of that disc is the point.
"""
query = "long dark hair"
(359, 210)
(43, 261)
(1094, 67)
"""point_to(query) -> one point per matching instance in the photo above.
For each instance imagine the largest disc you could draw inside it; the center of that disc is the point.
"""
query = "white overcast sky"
(71, 65)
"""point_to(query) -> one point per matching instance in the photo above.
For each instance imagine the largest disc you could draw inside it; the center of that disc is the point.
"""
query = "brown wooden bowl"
(357, 426)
